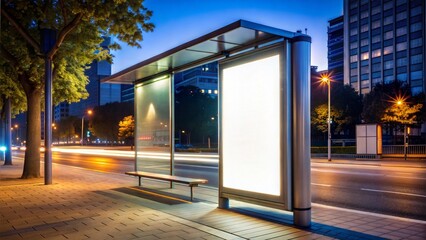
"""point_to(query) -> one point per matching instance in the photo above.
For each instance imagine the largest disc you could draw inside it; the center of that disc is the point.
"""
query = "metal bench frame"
(192, 182)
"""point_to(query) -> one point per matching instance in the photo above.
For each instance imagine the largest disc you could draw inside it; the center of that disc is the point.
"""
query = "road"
(398, 191)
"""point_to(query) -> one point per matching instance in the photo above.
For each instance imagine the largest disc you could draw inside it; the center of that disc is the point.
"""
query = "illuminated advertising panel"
(152, 137)
(253, 164)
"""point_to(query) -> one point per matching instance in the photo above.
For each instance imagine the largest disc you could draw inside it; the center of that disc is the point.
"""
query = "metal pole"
(301, 136)
(48, 122)
(405, 142)
(328, 121)
(82, 130)
(8, 133)
(172, 125)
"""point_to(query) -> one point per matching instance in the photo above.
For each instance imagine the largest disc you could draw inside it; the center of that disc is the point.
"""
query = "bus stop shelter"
(264, 112)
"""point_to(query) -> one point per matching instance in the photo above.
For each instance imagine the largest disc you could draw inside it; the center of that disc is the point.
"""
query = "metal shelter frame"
(230, 41)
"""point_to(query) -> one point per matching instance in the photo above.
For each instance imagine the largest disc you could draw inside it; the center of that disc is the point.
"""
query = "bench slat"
(190, 181)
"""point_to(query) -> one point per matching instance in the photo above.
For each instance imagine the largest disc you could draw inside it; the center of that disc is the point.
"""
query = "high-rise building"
(204, 77)
(99, 93)
(335, 49)
(384, 41)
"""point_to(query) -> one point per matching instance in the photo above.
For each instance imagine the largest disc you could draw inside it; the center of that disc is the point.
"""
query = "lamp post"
(326, 79)
(89, 112)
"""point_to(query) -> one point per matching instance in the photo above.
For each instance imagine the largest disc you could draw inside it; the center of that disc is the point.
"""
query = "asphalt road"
(398, 191)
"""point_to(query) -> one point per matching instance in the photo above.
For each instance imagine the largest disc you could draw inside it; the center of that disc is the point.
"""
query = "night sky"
(179, 21)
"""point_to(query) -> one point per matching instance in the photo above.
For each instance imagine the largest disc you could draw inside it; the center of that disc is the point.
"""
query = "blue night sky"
(179, 21)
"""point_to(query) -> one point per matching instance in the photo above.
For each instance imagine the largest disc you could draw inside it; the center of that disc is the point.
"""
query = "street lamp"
(89, 112)
(326, 80)
(16, 126)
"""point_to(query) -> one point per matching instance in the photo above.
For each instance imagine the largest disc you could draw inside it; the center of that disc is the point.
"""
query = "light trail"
(208, 158)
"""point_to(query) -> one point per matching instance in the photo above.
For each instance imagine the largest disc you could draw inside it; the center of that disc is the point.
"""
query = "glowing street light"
(326, 80)
(89, 112)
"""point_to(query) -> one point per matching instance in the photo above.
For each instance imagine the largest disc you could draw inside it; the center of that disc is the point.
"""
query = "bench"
(192, 182)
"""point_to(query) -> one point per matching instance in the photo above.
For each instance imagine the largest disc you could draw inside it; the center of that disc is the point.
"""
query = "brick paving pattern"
(84, 204)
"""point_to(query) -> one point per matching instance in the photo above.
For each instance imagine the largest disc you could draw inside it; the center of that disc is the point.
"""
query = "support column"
(301, 61)
(8, 133)
(172, 124)
(48, 39)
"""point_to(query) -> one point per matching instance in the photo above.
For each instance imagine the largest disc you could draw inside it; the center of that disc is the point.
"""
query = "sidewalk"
(85, 204)
(375, 162)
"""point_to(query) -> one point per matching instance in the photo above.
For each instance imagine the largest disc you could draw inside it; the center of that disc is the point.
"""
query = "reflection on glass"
(152, 126)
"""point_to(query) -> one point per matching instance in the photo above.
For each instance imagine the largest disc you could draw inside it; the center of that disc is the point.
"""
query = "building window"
(375, 24)
(354, 72)
(354, 58)
(388, 79)
(388, 50)
(364, 77)
(416, 42)
(364, 14)
(416, 11)
(364, 56)
(399, 2)
(354, 79)
(416, 90)
(401, 77)
(364, 28)
(416, 59)
(365, 70)
(401, 31)
(388, 64)
(364, 42)
(354, 4)
(376, 53)
(388, 20)
(387, 5)
(354, 31)
(416, 27)
(416, 75)
(401, 62)
(401, 16)
(376, 67)
(354, 45)
(375, 39)
(376, 75)
(353, 18)
(401, 46)
(388, 35)
(375, 10)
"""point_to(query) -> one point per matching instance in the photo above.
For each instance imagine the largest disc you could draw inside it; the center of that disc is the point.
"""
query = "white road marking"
(322, 185)
(400, 193)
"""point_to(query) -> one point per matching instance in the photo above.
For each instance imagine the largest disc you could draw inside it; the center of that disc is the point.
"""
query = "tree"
(320, 115)
(66, 128)
(349, 102)
(126, 130)
(22, 25)
(105, 119)
(381, 98)
(402, 113)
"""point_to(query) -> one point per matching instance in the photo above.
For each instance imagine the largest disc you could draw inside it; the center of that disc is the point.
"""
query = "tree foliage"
(68, 127)
(320, 115)
(79, 27)
(380, 104)
(104, 122)
(402, 113)
(346, 107)
(126, 128)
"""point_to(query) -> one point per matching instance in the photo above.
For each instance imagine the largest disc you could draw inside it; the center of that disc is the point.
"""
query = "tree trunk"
(32, 153)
